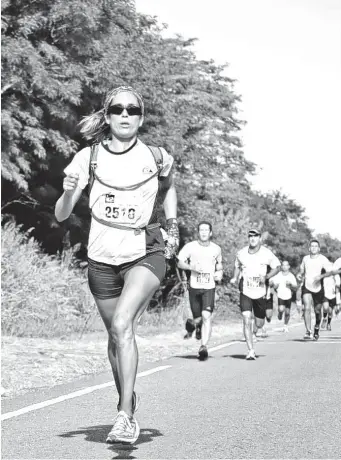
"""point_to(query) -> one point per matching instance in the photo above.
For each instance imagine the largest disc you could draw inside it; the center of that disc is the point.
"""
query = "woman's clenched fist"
(70, 183)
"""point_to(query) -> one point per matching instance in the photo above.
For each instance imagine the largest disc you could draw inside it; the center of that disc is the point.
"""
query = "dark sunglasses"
(118, 110)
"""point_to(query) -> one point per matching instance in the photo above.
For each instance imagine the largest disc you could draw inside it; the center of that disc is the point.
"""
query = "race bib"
(115, 209)
(203, 278)
(253, 282)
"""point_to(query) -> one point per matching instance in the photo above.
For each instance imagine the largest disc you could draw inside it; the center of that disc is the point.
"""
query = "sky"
(286, 58)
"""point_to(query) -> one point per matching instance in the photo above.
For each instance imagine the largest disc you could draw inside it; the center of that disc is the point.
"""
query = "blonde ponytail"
(94, 127)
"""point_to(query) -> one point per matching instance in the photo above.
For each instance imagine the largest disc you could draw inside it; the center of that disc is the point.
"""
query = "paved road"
(287, 404)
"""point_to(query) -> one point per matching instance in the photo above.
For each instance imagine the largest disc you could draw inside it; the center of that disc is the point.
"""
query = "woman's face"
(124, 126)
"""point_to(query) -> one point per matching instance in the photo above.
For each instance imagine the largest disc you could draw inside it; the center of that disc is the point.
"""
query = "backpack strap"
(92, 165)
(158, 157)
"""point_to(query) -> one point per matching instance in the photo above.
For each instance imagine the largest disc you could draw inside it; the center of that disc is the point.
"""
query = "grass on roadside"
(44, 296)
(41, 295)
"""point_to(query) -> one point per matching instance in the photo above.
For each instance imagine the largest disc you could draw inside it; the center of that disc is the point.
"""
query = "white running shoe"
(307, 335)
(324, 323)
(264, 334)
(254, 338)
(285, 329)
(251, 355)
(125, 430)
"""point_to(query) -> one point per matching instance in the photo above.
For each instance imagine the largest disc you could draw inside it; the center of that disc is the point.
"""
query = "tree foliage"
(60, 57)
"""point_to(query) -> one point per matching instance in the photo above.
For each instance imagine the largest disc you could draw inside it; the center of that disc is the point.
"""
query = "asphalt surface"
(286, 404)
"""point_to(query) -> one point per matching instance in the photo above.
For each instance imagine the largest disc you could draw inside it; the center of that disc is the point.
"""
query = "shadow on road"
(323, 338)
(241, 356)
(99, 434)
(330, 337)
(300, 340)
(125, 452)
(187, 356)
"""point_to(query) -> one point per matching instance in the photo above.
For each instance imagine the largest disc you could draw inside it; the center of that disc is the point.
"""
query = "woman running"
(126, 251)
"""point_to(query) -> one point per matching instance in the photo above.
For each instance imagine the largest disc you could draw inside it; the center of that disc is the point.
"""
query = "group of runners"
(127, 251)
(260, 276)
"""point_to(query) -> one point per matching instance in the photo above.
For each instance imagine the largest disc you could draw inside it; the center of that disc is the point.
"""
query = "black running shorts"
(317, 296)
(107, 281)
(258, 306)
(270, 302)
(332, 302)
(285, 302)
(200, 300)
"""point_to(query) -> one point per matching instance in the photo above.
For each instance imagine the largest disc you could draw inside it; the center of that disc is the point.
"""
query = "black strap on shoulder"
(158, 157)
(92, 164)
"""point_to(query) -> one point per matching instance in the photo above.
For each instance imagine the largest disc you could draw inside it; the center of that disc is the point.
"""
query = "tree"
(330, 247)
(65, 56)
(60, 58)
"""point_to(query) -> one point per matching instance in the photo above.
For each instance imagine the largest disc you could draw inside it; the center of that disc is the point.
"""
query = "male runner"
(312, 289)
(329, 301)
(203, 259)
(269, 302)
(285, 285)
(336, 273)
(251, 263)
(268, 311)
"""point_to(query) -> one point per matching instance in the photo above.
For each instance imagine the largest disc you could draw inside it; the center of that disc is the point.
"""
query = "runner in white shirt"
(125, 249)
(285, 284)
(269, 303)
(203, 259)
(312, 289)
(251, 264)
(329, 301)
(268, 311)
(336, 273)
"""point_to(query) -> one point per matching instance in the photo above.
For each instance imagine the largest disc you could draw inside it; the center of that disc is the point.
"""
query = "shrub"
(42, 295)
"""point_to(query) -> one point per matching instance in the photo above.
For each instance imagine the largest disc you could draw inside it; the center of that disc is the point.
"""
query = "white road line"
(224, 345)
(152, 371)
(75, 394)
(88, 390)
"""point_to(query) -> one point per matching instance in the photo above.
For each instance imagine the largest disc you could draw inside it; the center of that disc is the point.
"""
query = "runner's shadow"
(99, 434)
(187, 356)
(241, 356)
(125, 452)
(330, 337)
(300, 340)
